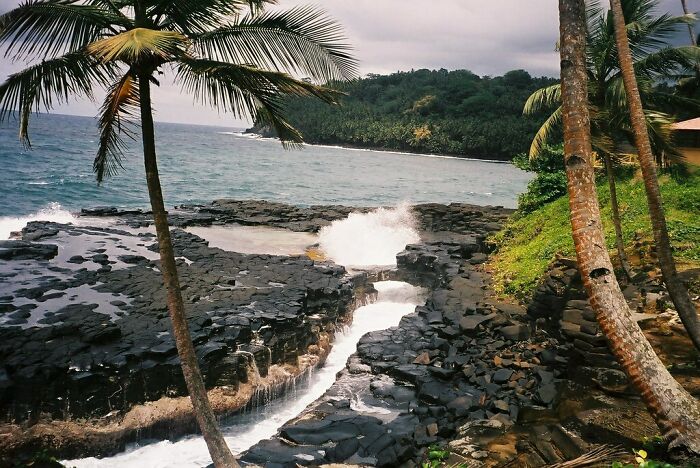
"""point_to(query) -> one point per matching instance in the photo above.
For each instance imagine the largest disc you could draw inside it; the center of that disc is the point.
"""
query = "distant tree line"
(427, 111)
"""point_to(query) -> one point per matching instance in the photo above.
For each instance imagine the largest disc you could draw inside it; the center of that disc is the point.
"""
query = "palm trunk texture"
(219, 451)
(674, 285)
(675, 410)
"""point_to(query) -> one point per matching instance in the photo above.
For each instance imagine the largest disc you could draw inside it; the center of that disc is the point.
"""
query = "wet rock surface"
(85, 331)
(461, 365)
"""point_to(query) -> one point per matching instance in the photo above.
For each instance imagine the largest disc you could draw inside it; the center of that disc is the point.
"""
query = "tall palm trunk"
(693, 40)
(219, 451)
(674, 409)
(676, 288)
(615, 208)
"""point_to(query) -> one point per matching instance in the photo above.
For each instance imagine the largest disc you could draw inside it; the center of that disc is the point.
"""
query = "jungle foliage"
(426, 111)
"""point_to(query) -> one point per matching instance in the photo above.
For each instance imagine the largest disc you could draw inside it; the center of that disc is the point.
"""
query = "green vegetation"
(655, 62)
(642, 461)
(438, 111)
(550, 181)
(529, 242)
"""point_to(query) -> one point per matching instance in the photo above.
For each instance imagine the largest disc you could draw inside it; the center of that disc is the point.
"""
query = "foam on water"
(52, 212)
(369, 239)
(395, 300)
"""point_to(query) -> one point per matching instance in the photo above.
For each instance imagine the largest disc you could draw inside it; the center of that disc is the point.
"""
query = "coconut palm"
(229, 54)
(654, 60)
(676, 289)
(611, 125)
(608, 109)
(675, 410)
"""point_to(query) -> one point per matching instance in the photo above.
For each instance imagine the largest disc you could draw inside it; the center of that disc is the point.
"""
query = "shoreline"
(134, 355)
(258, 136)
(406, 388)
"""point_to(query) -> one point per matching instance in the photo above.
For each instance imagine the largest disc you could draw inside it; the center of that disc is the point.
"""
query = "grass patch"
(529, 243)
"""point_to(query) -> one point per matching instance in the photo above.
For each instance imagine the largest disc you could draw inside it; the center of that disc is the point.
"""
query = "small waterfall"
(369, 239)
(252, 370)
(282, 402)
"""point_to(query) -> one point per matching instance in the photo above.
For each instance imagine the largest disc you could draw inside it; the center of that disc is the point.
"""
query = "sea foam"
(52, 212)
(369, 239)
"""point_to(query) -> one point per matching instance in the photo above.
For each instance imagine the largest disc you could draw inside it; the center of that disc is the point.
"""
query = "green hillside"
(438, 111)
(529, 243)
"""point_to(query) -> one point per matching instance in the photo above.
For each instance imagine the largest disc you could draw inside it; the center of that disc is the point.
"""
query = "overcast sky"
(486, 37)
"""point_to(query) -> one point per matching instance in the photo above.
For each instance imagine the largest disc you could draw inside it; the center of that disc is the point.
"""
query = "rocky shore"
(463, 365)
(89, 363)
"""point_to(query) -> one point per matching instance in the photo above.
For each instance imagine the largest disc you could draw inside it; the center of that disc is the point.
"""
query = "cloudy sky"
(488, 38)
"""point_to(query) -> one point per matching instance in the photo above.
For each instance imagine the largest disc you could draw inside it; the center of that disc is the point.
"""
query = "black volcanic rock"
(23, 250)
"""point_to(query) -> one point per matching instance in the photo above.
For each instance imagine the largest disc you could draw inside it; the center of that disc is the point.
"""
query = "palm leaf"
(663, 62)
(660, 129)
(543, 98)
(197, 16)
(50, 82)
(245, 90)
(302, 40)
(116, 119)
(543, 134)
(139, 44)
(48, 27)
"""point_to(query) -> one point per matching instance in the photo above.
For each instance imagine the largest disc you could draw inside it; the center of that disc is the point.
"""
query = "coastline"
(258, 136)
(466, 370)
(127, 384)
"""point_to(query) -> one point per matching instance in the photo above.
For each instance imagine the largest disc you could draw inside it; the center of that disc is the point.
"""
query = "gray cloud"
(488, 38)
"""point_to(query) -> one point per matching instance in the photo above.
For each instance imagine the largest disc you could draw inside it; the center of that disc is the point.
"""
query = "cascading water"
(369, 239)
(395, 299)
(361, 240)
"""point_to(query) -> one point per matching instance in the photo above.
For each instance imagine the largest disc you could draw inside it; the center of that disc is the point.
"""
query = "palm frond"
(50, 82)
(660, 129)
(543, 134)
(116, 119)
(47, 28)
(139, 44)
(664, 62)
(542, 99)
(245, 90)
(302, 40)
(197, 16)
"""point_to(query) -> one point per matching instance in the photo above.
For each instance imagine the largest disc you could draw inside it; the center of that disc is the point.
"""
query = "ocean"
(201, 163)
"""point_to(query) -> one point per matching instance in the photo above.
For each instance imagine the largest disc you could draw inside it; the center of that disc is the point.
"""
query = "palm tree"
(227, 56)
(610, 122)
(675, 410)
(676, 288)
(611, 125)
(654, 60)
(693, 40)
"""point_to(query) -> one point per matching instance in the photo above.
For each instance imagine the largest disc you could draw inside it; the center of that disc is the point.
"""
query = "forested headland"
(425, 111)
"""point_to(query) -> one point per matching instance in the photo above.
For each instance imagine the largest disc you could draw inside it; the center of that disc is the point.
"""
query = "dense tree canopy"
(434, 111)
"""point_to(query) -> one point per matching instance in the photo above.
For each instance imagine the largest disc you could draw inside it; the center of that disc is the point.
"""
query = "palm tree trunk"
(693, 40)
(674, 409)
(676, 288)
(615, 208)
(219, 451)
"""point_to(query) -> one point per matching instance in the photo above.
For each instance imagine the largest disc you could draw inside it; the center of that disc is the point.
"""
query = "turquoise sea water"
(202, 163)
